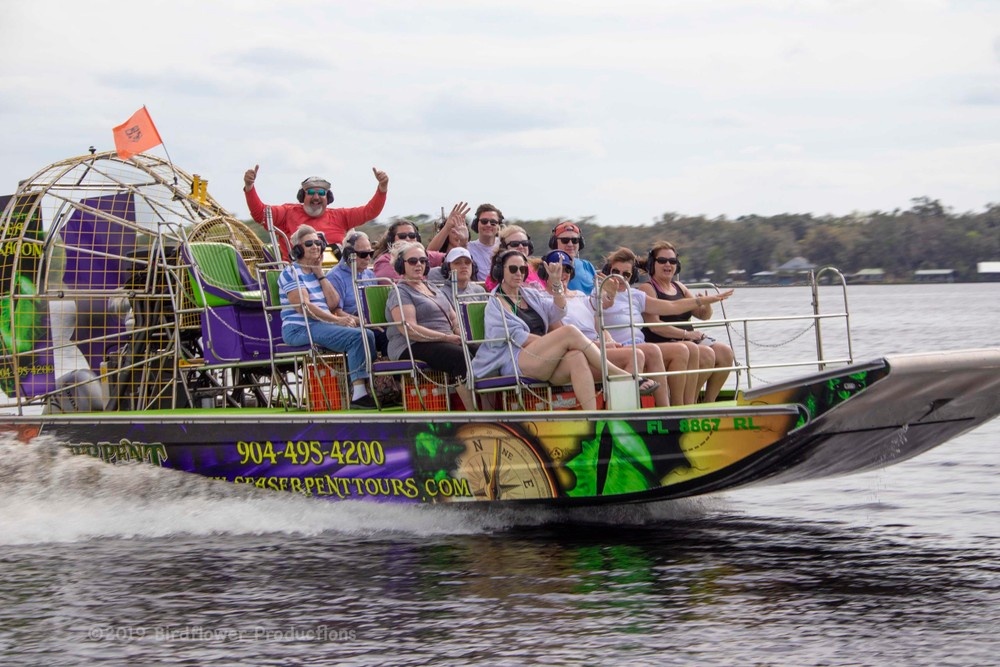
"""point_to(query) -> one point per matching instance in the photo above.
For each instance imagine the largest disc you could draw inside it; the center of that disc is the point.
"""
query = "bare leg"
(723, 358)
(654, 364)
(706, 362)
(692, 385)
(676, 358)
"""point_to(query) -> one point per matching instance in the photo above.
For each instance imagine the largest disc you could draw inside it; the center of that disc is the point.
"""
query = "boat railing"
(741, 334)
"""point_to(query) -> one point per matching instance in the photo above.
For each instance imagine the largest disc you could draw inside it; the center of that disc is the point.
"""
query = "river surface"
(134, 565)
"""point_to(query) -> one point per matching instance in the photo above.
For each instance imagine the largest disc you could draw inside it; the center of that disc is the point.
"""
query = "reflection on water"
(138, 565)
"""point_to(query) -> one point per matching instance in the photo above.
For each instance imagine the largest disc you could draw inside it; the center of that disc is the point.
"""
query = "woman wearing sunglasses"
(525, 329)
(513, 237)
(404, 231)
(311, 311)
(663, 267)
(428, 317)
(581, 312)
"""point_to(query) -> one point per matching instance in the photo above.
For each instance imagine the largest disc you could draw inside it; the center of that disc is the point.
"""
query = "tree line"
(925, 236)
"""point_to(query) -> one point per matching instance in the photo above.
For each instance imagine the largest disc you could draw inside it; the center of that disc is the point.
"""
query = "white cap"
(455, 253)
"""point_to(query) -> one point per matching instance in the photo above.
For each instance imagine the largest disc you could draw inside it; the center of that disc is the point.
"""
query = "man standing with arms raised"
(314, 196)
(487, 224)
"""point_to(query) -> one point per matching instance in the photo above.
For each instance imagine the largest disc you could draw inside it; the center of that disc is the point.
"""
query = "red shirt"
(334, 222)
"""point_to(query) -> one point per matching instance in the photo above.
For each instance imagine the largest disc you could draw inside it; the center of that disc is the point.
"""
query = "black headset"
(347, 251)
(399, 265)
(446, 269)
(552, 239)
(301, 196)
(496, 269)
(299, 250)
(651, 260)
(632, 279)
(475, 221)
(391, 232)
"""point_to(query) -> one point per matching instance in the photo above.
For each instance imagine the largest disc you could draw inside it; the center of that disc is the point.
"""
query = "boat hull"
(853, 419)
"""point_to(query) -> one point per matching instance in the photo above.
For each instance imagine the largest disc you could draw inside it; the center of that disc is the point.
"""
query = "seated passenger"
(525, 324)
(402, 231)
(458, 263)
(357, 247)
(663, 267)
(311, 307)
(513, 237)
(568, 237)
(429, 319)
(581, 313)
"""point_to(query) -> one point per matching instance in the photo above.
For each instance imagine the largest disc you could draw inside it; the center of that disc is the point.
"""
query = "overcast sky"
(620, 110)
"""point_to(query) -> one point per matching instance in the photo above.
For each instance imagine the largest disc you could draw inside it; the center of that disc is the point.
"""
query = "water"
(136, 565)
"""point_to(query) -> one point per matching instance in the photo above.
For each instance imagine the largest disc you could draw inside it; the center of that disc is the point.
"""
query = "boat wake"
(48, 494)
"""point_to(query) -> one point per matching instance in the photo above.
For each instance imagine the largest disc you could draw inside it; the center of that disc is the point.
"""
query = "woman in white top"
(622, 262)
(581, 313)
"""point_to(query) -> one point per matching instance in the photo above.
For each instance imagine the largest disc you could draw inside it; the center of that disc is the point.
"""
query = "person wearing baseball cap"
(458, 263)
(314, 197)
(567, 237)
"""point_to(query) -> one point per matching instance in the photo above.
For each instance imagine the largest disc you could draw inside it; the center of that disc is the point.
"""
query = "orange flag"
(136, 135)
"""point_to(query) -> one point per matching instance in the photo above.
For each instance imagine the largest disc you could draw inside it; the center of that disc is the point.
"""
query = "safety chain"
(735, 331)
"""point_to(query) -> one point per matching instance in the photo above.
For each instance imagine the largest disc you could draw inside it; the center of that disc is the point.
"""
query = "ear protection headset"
(394, 227)
(496, 269)
(552, 239)
(606, 270)
(299, 250)
(301, 196)
(651, 262)
(475, 221)
(348, 249)
(399, 265)
(446, 269)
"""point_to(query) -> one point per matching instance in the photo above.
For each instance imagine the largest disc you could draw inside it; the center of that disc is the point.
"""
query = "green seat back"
(373, 300)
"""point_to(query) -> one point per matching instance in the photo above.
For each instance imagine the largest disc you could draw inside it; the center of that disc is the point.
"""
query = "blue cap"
(558, 256)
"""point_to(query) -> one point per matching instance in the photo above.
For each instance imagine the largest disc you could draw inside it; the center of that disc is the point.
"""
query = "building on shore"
(934, 276)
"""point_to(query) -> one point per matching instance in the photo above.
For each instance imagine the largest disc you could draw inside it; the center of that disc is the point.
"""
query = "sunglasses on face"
(310, 243)
(627, 275)
(489, 222)
(667, 260)
(364, 254)
(574, 241)
(407, 235)
(515, 269)
(413, 261)
(316, 191)
(518, 244)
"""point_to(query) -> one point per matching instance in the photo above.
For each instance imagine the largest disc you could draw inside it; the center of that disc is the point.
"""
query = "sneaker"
(366, 402)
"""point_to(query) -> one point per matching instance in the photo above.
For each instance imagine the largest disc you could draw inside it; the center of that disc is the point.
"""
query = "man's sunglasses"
(667, 260)
(627, 275)
(316, 191)
(488, 222)
(364, 254)
(574, 241)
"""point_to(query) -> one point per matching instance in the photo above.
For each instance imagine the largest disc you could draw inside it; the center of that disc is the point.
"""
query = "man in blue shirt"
(358, 246)
(566, 236)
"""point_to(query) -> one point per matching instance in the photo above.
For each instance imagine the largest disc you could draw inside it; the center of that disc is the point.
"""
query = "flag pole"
(173, 170)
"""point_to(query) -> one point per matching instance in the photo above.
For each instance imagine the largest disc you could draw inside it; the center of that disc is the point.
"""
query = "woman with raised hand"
(524, 328)
(429, 319)
(663, 266)
(581, 313)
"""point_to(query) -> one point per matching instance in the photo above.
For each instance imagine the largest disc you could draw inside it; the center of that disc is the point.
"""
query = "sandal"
(647, 386)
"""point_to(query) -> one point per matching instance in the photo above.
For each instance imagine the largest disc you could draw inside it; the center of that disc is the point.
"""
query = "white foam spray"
(48, 494)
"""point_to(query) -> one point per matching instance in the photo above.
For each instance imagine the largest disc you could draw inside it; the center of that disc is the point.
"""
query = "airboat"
(138, 324)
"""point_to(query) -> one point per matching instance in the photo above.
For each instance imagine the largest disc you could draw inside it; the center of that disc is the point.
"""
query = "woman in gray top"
(429, 320)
